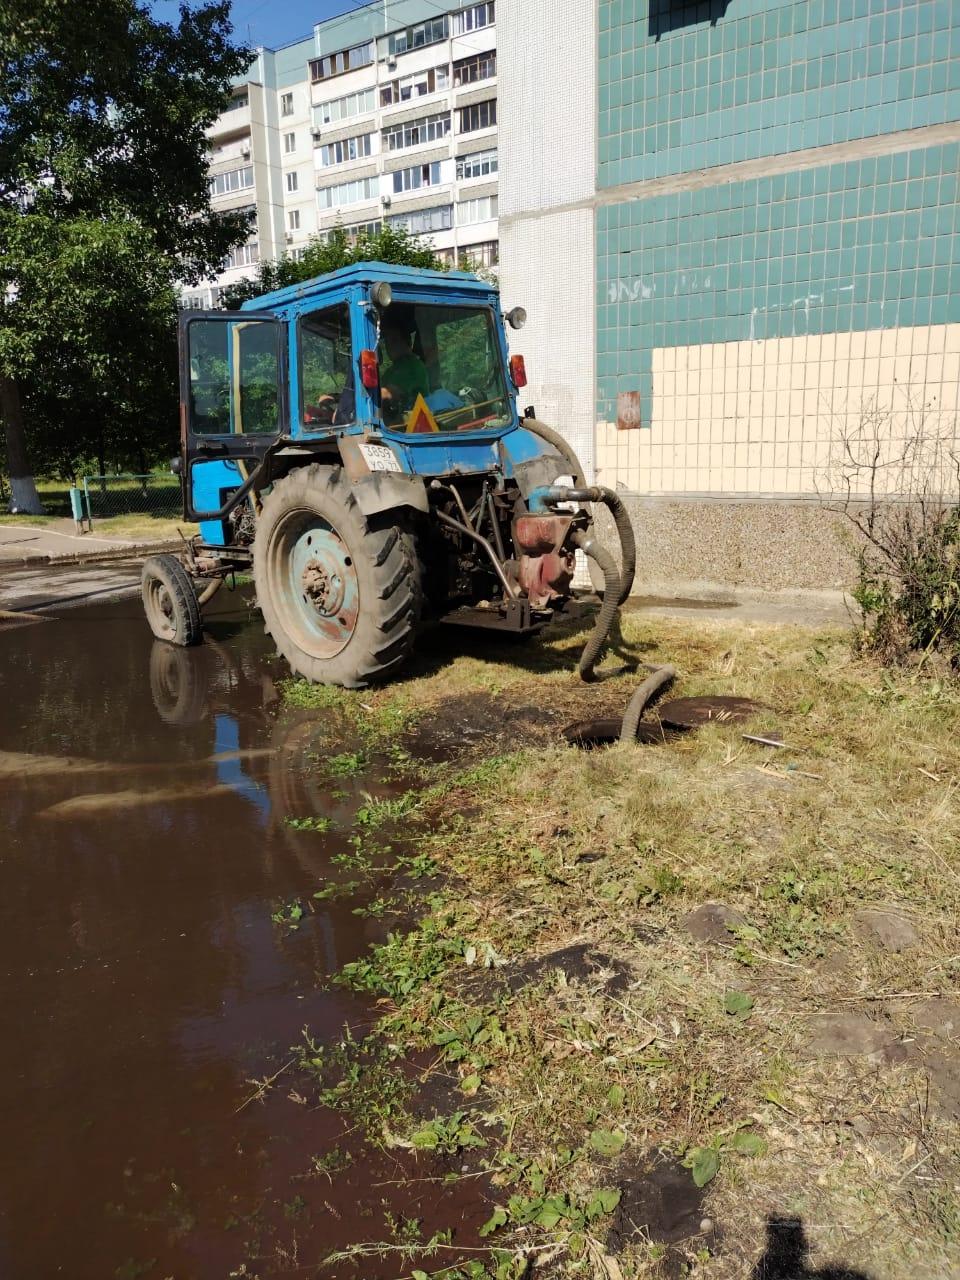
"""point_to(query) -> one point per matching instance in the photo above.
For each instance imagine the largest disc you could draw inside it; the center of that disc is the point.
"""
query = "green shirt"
(408, 376)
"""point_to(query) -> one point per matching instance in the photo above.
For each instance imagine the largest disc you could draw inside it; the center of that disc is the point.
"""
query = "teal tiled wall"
(868, 244)
(677, 91)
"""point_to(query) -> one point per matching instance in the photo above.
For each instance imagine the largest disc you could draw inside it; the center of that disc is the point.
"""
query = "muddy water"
(143, 983)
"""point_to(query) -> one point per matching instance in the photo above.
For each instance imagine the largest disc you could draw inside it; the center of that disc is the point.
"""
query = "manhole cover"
(691, 713)
(601, 733)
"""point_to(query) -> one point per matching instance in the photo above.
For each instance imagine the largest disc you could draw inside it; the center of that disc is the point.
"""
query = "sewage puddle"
(145, 983)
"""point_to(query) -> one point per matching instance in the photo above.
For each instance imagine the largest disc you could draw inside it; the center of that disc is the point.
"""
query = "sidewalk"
(44, 568)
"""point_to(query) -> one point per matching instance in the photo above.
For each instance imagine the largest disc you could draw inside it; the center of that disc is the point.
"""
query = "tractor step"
(516, 616)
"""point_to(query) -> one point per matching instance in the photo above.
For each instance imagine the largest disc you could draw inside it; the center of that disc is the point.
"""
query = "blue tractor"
(355, 441)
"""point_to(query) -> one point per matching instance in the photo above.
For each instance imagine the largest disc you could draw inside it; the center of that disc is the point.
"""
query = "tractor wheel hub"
(323, 587)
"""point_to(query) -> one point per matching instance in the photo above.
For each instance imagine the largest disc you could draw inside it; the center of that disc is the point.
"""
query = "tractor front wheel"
(340, 597)
(170, 601)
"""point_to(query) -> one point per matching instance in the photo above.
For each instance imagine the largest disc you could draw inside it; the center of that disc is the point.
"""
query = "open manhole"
(692, 713)
(602, 733)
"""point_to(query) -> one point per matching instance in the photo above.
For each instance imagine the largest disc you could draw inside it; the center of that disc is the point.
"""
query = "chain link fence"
(154, 496)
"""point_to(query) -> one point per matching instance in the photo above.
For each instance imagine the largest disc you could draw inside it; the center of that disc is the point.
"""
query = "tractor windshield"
(441, 369)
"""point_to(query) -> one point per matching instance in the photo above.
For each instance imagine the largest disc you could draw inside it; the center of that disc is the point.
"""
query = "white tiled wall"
(795, 416)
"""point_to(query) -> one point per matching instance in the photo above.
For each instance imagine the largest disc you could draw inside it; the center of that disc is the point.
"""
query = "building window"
(418, 37)
(421, 221)
(420, 175)
(355, 230)
(482, 66)
(473, 18)
(240, 101)
(289, 142)
(348, 192)
(480, 164)
(449, 256)
(418, 85)
(480, 255)
(482, 115)
(293, 182)
(286, 104)
(205, 300)
(346, 149)
(353, 104)
(222, 184)
(480, 210)
(247, 255)
(335, 64)
(415, 133)
(293, 219)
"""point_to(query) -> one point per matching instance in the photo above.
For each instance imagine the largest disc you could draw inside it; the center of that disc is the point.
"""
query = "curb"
(132, 551)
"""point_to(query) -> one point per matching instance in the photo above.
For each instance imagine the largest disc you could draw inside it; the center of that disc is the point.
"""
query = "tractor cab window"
(441, 369)
(234, 382)
(327, 387)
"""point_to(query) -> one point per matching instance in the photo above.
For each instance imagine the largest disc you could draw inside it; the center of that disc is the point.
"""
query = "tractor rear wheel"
(170, 601)
(340, 597)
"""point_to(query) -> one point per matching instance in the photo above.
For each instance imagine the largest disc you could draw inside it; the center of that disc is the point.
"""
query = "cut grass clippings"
(554, 976)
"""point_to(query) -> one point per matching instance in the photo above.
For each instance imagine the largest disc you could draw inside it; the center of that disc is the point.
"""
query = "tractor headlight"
(516, 317)
(381, 295)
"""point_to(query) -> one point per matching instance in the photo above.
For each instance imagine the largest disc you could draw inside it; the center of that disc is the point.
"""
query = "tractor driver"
(406, 376)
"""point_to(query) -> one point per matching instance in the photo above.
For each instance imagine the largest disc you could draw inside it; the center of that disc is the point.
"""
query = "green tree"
(390, 244)
(104, 206)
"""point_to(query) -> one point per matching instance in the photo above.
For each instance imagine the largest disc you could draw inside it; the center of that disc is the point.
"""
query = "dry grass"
(546, 847)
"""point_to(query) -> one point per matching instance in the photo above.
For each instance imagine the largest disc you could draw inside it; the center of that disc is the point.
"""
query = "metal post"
(86, 494)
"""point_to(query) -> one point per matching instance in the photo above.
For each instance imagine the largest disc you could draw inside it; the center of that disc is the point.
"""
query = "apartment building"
(735, 228)
(385, 115)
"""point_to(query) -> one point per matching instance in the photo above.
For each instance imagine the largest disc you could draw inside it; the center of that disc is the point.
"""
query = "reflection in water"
(140, 966)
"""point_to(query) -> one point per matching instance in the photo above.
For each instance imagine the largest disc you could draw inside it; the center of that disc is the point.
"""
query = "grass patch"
(652, 1040)
(142, 528)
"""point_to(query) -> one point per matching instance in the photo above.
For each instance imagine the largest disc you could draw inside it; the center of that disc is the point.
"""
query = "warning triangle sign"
(420, 419)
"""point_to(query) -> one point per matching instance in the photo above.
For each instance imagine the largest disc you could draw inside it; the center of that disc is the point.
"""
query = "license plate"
(379, 457)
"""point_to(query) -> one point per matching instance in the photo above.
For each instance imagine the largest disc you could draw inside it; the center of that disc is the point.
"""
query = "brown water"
(143, 984)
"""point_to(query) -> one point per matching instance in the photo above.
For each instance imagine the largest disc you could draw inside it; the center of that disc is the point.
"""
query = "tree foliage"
(104, 207)
(390, 244)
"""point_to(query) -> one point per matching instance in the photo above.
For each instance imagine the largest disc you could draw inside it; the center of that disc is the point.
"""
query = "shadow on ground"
(786, 1256)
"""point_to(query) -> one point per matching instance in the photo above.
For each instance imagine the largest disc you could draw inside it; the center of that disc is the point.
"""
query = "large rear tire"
(170, 601)
(340, 597)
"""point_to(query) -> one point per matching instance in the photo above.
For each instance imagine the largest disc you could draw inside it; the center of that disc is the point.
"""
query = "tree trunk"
(23, 489)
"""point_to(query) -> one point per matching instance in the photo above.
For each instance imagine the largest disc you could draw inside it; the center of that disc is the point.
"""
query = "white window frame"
(224, 184)
(346, 149)
(417, 133)
(289, 143)
(286, 104)
(345, 108)
(293, 182)
(481, 209)
(474, 18)
(342, 193)
(425, 221)
(478, 164)
(417, 176)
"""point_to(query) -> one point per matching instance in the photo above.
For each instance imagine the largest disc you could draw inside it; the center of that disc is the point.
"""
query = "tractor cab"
(355, 439)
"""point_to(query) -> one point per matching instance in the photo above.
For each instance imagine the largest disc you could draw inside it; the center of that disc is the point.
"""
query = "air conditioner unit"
(391, 63)
(386, 201)
(245, 152)
(289, 237)
(316, 133)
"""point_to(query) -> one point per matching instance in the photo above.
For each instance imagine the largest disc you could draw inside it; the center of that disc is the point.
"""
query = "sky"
(269, 22)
